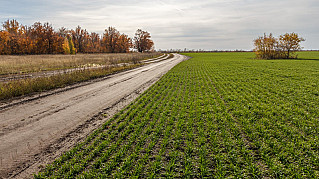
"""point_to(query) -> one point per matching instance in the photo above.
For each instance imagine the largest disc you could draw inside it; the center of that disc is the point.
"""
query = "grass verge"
(27, 64)
(23, 64)
(32, 85)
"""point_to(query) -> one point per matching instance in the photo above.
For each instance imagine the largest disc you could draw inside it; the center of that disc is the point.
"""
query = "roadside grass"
(217, 115)
(32, 85)
(22, 64)
(16, 88)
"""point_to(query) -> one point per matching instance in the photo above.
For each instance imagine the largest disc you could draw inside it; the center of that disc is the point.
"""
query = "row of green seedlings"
(266, 95)
(237, 159)
(193, 159)
(296, 95)
(95, 145)
(106, 167)
(197, 165)
(213, 146)
(285, 106)
(221, 79)
(170, 155)
(286, 150)
(125, 156)
(139, 165)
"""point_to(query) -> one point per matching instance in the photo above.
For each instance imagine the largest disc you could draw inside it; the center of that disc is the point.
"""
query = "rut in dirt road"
(27, 129)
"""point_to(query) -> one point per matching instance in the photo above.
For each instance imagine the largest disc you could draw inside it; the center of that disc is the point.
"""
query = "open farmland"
(215, 115)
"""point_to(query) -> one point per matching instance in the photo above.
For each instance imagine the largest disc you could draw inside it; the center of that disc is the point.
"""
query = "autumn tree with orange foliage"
(124, 44)
(269, 47)
(114, 42)
(41, 38)
(13, 38)
(37, 39)
(110, 40)
(142, 41)
(94, 43)
(4, 43)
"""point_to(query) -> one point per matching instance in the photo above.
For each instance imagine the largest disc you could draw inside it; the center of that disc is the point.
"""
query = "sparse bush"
(269, 47)
(289, 43)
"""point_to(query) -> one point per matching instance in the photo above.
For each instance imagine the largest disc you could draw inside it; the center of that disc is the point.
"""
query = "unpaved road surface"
(34, 132)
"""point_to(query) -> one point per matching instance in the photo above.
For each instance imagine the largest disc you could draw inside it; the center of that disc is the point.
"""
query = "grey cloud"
(205, 24)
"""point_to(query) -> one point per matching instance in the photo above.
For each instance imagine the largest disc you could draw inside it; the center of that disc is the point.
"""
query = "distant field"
(16, 64)
(216, 115)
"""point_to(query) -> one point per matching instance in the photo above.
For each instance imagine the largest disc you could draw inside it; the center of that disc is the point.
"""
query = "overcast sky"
(192, 24)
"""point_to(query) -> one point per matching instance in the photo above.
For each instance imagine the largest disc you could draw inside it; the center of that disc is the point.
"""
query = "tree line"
(18, 39)
(284, 47)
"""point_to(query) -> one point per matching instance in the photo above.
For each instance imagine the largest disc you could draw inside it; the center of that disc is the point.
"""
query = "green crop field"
(216, 115)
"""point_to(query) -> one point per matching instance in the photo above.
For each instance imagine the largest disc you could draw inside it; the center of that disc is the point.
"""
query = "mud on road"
(34, 132)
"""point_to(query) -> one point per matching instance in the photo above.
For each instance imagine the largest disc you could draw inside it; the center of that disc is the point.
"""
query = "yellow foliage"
(65, 46)
(269, 47)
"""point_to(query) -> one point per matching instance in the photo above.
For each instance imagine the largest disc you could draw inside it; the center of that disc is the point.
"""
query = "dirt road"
(34, 132)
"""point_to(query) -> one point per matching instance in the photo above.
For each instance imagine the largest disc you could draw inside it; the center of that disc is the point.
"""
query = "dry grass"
(10, 64)
(32, 85)
(37, 63)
